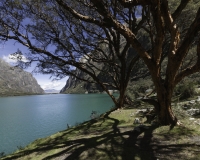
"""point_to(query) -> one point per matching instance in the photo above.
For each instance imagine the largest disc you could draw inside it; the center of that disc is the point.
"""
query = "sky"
(43, 80)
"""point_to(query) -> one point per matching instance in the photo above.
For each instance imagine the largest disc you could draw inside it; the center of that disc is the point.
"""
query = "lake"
(24, 119)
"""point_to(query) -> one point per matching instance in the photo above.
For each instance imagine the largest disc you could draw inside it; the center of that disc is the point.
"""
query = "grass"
(113, 137)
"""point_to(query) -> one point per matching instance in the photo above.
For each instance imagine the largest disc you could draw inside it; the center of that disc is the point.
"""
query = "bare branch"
(179, 9)
(131, 3)
(191, 69)
(125, 31)
(78, 15)
(184, 47)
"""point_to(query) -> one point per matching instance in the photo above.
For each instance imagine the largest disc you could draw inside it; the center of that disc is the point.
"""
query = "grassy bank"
(113, 137)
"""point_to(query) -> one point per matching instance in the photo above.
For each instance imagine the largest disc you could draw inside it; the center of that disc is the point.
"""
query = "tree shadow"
(135, 144)
(115, 143)
(147, 147)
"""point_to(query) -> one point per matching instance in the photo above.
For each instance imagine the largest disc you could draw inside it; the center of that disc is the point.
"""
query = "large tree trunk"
(121, 98)
(166, 115)
(164, 111)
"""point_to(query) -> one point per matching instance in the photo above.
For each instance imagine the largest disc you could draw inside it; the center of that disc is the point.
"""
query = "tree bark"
(166, 116)
(121, 98)
(165, 113)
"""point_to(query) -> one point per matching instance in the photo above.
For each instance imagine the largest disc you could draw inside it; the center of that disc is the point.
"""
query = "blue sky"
(43, 80)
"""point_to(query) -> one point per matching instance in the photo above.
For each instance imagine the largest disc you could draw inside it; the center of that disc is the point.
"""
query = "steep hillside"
(14, 81)
(73, 85)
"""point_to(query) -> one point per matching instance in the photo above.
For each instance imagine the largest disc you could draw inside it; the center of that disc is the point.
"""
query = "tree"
(63, 45)
(168, 40)
(160, 24)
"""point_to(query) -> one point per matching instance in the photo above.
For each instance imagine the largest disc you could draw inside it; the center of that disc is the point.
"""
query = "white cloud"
(53, 85)
(11, 59)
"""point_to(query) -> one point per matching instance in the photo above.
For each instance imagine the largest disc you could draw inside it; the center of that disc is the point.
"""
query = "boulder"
(193, 112)
(186, 106)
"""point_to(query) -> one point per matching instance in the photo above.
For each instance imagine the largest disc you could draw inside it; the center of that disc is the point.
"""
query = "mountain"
(51, 91)
(74, 85)
(15, 81)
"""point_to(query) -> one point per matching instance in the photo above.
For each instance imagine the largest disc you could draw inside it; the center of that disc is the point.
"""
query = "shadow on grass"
(134, 145)
(116, 143)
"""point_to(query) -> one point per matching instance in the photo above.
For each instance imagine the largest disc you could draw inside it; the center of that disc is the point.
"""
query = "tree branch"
(125, 31)
(190, 70)
(179, 9)
(159, 24)
(78, 15)
(131, 3)
(184, 47)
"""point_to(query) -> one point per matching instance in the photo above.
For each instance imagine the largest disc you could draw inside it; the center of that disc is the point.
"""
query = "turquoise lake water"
(24, 119)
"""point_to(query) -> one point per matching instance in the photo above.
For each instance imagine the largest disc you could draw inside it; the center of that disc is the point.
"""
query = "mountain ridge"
(15, 81)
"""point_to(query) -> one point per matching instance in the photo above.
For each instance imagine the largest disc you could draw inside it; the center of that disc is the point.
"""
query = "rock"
(137, 121)
(132, 114)
(193, 112)
(198, 99)
(186, 106)
(148, 91)
(196, 122)
(141, 111)
(192, 102)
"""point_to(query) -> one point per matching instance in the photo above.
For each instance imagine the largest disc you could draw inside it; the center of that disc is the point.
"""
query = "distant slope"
(49, 91)
(73, 85)
(15, 81)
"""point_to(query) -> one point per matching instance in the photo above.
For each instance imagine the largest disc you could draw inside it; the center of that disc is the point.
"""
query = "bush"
(186, 89)
(137, 89)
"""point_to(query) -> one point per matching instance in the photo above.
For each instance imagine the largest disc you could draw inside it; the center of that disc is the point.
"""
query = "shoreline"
(110, 136)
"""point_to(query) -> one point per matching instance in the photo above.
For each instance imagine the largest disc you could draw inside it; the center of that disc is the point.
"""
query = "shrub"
(185, 89)
(137, 89)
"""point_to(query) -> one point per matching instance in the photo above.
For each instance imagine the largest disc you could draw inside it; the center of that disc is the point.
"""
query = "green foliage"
(137, 89)
(185, 89)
